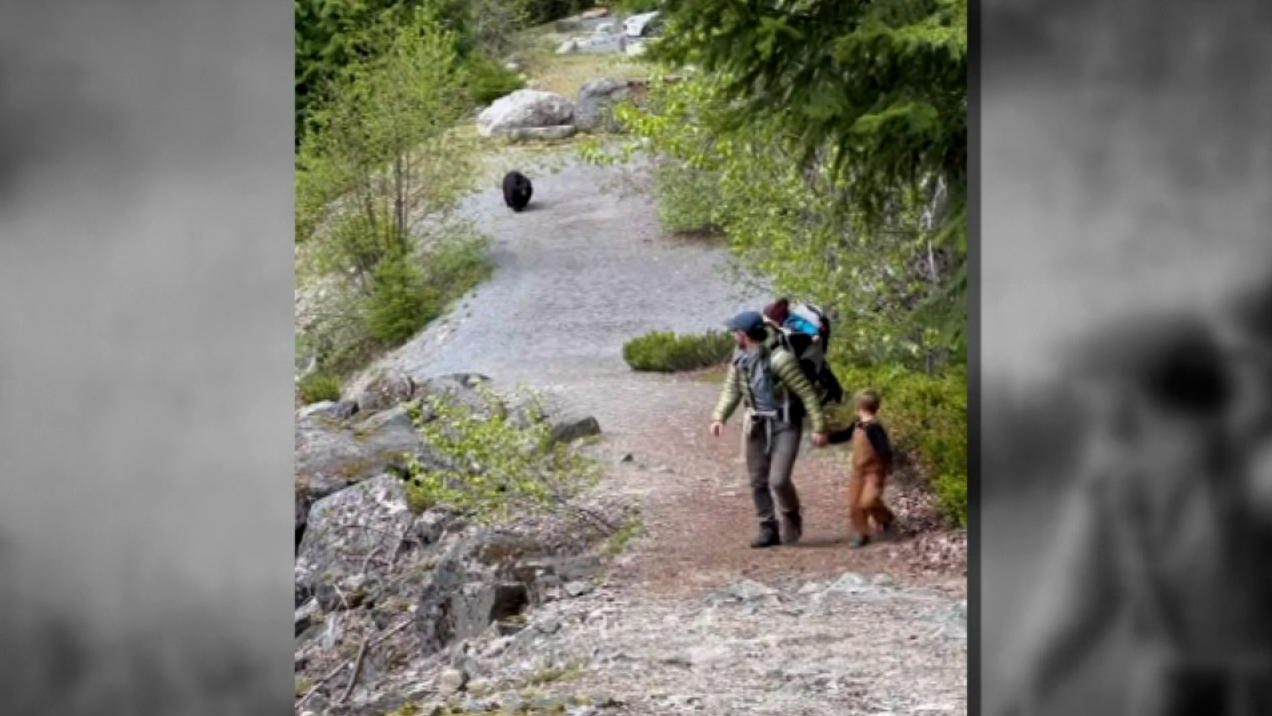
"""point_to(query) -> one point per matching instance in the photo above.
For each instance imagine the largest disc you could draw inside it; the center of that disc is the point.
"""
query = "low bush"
(318, 386)
(664, 351)
(926, 417)
(403, 296)
(499, 465)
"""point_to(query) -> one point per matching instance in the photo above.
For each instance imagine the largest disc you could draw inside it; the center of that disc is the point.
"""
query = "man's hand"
(717, 427)
(820, 440)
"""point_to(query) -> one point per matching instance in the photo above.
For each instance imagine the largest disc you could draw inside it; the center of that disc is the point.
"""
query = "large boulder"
(385, 388)
(525, 108)
(470, 390)
(332, 454)
(595, 107)
(346, 527)
(568, 428)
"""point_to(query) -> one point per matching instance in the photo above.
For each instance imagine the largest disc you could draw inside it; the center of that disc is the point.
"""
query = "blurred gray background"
(1126, 153)
(145, 356)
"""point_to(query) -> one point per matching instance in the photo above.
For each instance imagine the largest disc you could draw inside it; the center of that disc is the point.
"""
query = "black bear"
(517, 190)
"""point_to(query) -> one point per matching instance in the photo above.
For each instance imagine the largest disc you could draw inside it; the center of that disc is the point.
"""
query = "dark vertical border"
(973, 355)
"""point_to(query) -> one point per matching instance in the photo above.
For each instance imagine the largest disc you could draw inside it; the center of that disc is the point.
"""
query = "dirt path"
(578, 275)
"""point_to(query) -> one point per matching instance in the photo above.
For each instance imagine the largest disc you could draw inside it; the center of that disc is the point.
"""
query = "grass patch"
(564, 74)
(665, 352)
(623, 536)
(318, 386)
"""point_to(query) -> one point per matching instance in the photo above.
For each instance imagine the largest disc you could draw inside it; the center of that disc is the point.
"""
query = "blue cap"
(747, 321)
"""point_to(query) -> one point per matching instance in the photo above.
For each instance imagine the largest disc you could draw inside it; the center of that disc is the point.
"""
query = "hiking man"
(777, 395)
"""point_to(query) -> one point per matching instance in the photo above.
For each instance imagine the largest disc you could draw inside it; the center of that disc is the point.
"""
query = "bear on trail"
(516, 190)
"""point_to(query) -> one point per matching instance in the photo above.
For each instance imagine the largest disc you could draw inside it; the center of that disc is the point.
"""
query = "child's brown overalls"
(870, 471)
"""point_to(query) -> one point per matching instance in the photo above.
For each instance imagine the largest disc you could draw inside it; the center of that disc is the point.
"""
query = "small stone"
(627, 457)
(451, 681)
(849, 583)
(745, 590)
(550, 625)
(811, 588)
(664, 470)
(881, 580)
(577, 588)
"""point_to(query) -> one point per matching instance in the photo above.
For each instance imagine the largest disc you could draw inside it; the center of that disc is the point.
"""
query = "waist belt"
(765, 416)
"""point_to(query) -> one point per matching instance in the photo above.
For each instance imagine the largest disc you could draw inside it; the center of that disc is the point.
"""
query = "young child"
(871, 464)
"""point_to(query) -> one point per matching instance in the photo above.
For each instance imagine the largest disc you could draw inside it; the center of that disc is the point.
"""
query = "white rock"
(525, 108)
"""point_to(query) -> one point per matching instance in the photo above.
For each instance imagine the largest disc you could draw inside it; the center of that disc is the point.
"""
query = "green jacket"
(787, 377)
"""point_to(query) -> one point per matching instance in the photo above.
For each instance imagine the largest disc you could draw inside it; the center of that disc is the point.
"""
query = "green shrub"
(926, 416)
(404, 295)
(666, 352)
(488, 80)
(537, 11)
(400, 302)
(318, 386)
(498, 465)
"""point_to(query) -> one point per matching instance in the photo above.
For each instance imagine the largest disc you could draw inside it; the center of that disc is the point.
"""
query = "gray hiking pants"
(769, 467)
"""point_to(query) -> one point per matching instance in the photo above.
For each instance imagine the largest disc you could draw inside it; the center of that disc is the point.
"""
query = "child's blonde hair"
(868, 400)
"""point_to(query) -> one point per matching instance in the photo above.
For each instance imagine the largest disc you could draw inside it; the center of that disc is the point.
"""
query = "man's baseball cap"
(748, 322)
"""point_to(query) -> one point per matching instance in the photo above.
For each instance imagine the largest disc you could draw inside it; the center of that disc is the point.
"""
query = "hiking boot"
(792, 527)
(767, 537)
(858, 541)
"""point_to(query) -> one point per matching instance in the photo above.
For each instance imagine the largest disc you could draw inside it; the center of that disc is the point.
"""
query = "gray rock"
(331, 455)
(395, 418)
(346, 526)
(577, 588)
(594, 109)
(567, 47)
(451, 682)
(525, 108)
(745, 590)
(306, 615)
(568, 429)
(567, 24)
(336, 410)
(849, 583)
(431, 525)
(384, 388)
(477, 606)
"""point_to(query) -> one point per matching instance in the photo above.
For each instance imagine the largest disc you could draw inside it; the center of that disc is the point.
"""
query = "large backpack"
(806, 333)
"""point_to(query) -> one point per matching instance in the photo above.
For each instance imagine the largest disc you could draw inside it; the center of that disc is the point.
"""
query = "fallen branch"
(314, 689)
(357, 671)
(358, 664)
